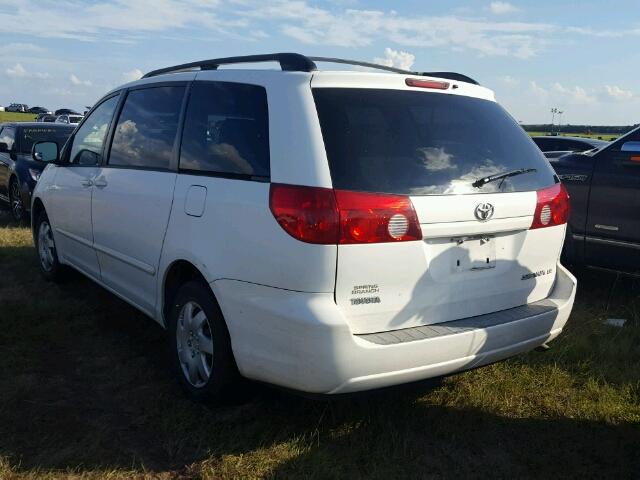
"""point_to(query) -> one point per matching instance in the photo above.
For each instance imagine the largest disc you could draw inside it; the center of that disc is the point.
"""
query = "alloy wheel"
(17, 208)
(195, 344)
(46, 246)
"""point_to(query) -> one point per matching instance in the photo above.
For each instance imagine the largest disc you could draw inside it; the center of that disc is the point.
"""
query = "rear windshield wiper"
(512, 173)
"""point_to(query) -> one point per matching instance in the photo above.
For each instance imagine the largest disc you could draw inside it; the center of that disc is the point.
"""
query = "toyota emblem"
(484, 211)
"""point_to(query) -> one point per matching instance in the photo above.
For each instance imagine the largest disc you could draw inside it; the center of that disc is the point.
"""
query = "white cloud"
(510, 81)
(502, 8)
(617, 93)
(132, 75)
(537, 90)
(76, 81)
(13, 48)
(576, 95)
(397, 59)
(18, 71)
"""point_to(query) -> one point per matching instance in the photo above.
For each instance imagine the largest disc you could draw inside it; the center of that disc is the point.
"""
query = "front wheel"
(46, 250)
(199, 344)
(15, 200)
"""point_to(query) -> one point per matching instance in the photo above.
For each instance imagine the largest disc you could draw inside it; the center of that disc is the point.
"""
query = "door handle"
(101, 183)
(87, 183)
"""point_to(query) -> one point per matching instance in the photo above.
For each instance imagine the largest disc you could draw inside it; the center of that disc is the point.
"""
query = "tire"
(200, 346)
(16, 205)
(46, 251)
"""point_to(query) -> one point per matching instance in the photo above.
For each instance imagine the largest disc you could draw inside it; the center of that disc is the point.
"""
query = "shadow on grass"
(84, 386)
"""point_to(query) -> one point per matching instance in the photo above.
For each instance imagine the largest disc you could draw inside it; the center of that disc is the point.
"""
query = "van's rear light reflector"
(414, 82)
(376, 218)
(326, 216)
(552, 207)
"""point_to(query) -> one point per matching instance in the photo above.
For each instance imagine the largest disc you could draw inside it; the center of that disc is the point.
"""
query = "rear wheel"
(46, 250)
(15, 201)
(199, 344)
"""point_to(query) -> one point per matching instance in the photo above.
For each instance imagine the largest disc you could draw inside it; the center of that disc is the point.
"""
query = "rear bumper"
(301, 340)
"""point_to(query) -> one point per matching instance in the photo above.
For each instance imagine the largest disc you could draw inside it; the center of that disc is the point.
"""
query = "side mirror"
(4, 148)
(45, 152)
(631, 147)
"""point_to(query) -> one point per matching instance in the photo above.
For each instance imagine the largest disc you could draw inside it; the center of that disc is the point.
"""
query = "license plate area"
(474, 253)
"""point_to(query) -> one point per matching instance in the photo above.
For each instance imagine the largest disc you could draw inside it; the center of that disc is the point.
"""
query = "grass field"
(599, 136)
(17, 117)
(85, 393)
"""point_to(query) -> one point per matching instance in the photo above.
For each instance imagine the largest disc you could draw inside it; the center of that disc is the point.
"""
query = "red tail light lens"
(308, 214)
(552, 208)
(325, 216)
(376, 218)
(414, 82)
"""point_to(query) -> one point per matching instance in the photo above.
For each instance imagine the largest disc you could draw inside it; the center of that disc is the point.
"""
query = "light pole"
(553, 117)
(560, 112)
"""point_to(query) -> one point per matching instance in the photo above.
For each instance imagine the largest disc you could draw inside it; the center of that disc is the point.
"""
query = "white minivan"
(324, 231)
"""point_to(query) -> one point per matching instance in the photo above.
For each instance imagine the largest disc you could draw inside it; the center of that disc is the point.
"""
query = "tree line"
(587, 129)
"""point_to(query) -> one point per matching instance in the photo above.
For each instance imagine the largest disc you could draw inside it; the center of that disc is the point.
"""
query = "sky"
(582, 57)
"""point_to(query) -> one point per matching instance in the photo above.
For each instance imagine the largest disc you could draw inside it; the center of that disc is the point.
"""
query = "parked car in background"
(17, 107)
(43, 117)
(39, 110)
(604, 184)
(65, 111)
(69, 119)
(18, 171)
(387, 227)
(554, 146)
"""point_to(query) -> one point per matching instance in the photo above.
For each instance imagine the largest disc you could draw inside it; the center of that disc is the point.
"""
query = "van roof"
(295, 62)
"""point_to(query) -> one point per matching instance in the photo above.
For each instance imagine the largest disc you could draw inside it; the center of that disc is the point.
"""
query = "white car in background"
(325, 231)
(69, 119)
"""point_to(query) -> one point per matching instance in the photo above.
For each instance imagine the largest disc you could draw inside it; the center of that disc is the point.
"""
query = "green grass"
(85, 393)
(17, 117)
(599, 136)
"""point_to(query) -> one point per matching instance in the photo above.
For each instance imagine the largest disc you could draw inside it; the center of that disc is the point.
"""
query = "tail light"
(552, 207)
(414, 82)
(326, 216)
(308, 214)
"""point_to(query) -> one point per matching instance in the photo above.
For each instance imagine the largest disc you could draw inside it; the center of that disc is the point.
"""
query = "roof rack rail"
(449, 75)
(291, 62)
(295, 62)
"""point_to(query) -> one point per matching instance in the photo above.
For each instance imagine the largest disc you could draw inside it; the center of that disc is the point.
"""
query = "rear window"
(31, 135)
(226, 130)
(420, 143)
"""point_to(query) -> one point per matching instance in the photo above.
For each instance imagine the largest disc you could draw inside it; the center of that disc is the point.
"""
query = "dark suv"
(604, 184)
(17, 107)
(18, 171)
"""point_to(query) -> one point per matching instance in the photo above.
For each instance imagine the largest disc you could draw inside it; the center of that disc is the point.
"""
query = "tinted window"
(8, 136)
(424, 143)
(147, 128)
(543, 144)
(31, 135)
(89, 139)
(226, 130)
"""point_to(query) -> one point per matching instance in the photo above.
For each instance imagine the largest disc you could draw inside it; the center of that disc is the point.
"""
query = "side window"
(147, 128)
(8, 136)
(86, 148)
(226, 130)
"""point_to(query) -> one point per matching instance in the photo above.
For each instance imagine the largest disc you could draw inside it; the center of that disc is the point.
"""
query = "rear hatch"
(476, 252)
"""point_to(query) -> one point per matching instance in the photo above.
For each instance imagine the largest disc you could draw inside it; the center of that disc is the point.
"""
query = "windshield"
(30, 135)
(421, 143)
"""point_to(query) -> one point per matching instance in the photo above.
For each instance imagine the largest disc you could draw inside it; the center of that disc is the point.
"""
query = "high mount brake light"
(552, 207)
(434, 84)
(326, 216)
